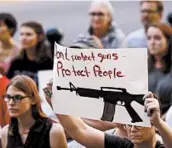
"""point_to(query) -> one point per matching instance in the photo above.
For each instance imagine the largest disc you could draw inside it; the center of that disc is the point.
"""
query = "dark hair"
(27, 85)
(159, 4)
(10, 21)
(43, 50)
(54, 35)
(167, 58)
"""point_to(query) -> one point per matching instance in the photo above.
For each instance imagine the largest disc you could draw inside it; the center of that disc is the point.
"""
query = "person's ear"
(33, 101)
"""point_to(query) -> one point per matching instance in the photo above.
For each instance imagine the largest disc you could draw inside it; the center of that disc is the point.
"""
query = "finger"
(152, 109)
(148, 100)
(148, 95)
(152, 106)
(47, 92)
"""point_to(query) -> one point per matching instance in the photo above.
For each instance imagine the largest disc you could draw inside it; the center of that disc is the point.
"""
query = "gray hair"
(106, 3)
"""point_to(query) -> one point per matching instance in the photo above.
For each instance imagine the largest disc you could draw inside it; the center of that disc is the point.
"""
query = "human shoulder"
(4, 134)
(56, 129)
(136, 33)
(57, 136)
(117, 30)
(115, 141)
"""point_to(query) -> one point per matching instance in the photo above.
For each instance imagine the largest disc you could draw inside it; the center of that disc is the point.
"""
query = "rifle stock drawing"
(111, 99)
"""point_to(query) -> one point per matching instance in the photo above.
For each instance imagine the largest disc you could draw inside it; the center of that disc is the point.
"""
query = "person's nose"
(133, 129)
(96, 17)
(152, 41)
(23, 37)
(11, 102)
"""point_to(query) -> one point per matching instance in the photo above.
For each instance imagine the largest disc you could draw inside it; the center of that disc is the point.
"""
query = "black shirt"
(155, 76)
(38, 136)
(28, 67)
(112, 141)
(164, 92)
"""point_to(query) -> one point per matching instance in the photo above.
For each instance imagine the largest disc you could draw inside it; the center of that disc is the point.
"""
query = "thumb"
(151, 95)
(148, 95)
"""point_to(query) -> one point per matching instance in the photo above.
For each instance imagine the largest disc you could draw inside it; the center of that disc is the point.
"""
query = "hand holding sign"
(152, 108)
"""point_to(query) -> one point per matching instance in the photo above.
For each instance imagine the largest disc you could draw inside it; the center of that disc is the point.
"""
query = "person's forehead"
(149, 5)
(13, 90)
(98, 7)
(27, 29)
(154, 30)
(2, 22)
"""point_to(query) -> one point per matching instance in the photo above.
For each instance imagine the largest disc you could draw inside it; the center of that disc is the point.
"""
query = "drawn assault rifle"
(111, 99)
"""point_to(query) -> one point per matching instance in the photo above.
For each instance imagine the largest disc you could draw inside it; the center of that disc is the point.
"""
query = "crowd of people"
(22, 120)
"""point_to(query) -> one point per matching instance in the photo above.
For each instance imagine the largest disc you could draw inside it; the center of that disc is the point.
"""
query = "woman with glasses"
(29, 127)
(102, 25)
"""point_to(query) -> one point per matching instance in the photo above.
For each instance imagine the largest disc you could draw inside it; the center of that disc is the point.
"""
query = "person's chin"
(24, 46)
(136, 141)
(14, 114)
(97, 26)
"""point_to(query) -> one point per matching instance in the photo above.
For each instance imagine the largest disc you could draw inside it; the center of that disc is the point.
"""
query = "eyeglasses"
(99, 14)
(136, 127)
(16, 98)
(149, 11)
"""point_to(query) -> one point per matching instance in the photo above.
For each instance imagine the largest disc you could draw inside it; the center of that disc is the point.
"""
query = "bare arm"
(4, 134)
(165, 132)
(100, 125)
(57, 137)
(153, 110)
(81, 132)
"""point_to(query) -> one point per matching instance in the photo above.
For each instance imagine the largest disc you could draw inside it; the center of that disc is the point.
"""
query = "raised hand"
(152, 108)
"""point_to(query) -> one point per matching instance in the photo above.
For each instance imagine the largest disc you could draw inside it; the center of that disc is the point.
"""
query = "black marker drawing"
(110, 97)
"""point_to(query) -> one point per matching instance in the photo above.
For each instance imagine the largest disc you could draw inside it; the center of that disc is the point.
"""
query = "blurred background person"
(150, 12)
(169, 18)
(35, 54)
(29, 126)
(9, 49)
(102, 25)
(54, 35)
(4, 116)
(159, 61)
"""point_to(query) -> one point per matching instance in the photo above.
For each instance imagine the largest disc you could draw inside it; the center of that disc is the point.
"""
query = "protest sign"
(106, 84)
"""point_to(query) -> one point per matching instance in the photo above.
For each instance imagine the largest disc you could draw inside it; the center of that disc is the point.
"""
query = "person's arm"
(153, 110)
(81, 132)
(100, 125)
(165, 132)
(57, 136)
(4, 134)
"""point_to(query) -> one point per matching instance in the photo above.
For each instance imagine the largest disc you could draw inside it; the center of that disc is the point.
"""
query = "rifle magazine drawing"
(112, 96)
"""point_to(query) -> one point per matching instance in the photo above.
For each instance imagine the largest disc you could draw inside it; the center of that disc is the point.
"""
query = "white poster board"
(106, 84)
